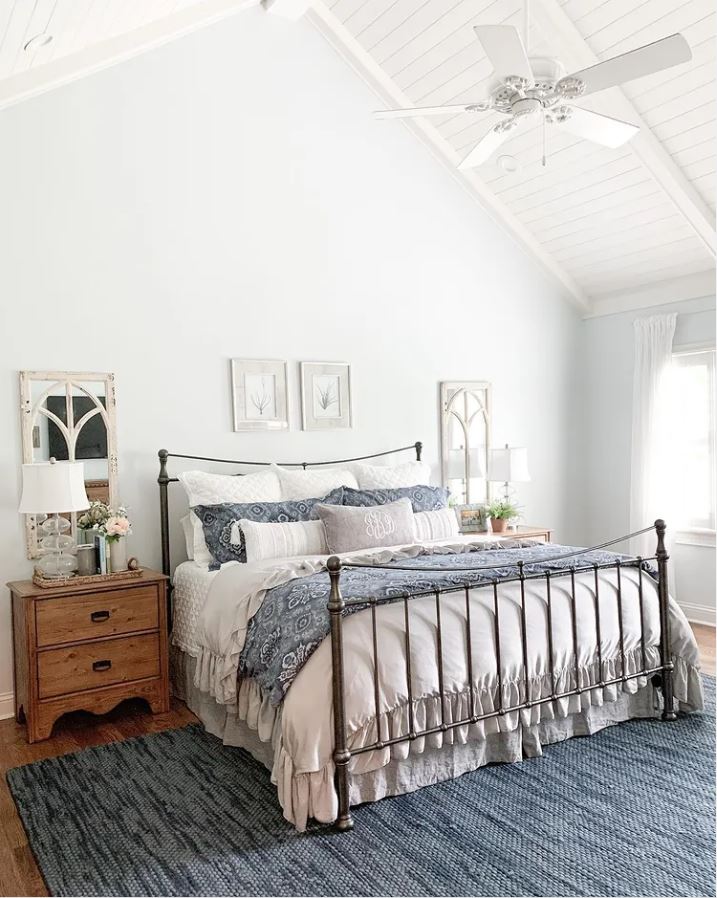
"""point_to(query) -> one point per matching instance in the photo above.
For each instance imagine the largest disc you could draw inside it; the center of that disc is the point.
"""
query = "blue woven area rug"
(629, 811)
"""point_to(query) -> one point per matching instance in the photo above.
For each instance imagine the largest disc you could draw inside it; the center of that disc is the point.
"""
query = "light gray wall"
(607, 431)
(230, 195)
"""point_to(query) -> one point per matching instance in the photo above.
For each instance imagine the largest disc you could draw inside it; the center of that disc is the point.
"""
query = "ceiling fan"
(531, 86)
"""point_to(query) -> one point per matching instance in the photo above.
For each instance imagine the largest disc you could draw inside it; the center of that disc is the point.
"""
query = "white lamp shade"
(50, 487)
(509, 465)
(457, 463)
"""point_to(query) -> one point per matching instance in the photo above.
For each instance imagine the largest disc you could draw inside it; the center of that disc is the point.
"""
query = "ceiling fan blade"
(602, 129)
(486, 146)
(647, 60)
(504, 47)
(430, 110)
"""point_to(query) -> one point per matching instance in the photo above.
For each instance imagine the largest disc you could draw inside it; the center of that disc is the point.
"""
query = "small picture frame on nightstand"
(472, 518)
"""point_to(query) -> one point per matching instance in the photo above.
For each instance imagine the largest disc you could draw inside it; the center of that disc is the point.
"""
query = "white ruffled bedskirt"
(255, 724)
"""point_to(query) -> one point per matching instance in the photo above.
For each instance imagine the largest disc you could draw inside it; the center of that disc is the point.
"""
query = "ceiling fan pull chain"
(544, 139)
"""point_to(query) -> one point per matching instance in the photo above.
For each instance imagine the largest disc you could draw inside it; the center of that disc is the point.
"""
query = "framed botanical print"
(325, 395)
(259, 394)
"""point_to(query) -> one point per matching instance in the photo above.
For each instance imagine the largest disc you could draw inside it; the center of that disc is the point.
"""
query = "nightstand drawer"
(79, 667)
(94, 615)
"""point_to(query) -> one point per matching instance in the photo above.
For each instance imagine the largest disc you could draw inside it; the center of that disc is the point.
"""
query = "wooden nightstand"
(88, 647)
(540, 533)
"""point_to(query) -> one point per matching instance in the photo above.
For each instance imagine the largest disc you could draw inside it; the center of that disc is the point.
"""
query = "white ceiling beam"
(288, 9)
(387, 90)
(555, 24)
(33, 82)
(682, 289)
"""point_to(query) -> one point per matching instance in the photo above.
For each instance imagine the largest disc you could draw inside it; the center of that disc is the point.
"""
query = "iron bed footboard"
(662, 673)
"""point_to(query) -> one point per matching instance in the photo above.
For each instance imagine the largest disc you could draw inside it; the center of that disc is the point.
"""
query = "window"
(693, 382)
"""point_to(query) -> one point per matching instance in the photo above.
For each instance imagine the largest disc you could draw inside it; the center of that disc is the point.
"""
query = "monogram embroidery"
(379, 524)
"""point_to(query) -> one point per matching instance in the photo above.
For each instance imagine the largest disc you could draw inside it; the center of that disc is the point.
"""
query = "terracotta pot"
(498, 525)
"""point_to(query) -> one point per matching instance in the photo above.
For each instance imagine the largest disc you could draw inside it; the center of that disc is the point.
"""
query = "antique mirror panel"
(70, 417)
(465, 439)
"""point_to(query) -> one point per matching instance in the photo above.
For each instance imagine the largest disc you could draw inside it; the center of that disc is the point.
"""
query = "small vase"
(498, 525)
(118, 555)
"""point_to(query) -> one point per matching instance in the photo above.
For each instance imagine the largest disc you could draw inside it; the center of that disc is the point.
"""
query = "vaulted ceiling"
(606, 223)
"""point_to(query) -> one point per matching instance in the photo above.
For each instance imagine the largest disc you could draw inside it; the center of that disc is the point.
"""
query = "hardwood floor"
(19, 874)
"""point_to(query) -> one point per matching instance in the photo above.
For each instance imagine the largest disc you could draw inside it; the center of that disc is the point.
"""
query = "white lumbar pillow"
(440, 524)
(379, 477)
(203, 488)
(188, 531)
(312, 482)
(266, 541)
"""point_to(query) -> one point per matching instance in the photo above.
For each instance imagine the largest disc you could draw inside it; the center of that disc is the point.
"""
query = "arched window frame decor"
(32, 408)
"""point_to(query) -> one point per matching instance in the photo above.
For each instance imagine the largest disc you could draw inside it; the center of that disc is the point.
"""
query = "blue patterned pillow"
(218, 520)
(423, 498)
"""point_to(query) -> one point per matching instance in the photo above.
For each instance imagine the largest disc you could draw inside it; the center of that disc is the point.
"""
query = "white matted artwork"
(259, 393)
(325, 395)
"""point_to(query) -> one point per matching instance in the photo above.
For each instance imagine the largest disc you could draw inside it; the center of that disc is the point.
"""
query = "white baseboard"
(7, 705)
(698, 614)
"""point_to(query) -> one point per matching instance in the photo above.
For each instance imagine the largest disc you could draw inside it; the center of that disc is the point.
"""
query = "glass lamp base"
(57, 566)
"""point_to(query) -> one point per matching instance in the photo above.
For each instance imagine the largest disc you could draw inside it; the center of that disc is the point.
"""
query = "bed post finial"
(342, 755)
(662, 558)
(419, 450)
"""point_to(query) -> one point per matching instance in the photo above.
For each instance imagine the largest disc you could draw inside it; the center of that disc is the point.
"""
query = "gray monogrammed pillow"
(349, 529)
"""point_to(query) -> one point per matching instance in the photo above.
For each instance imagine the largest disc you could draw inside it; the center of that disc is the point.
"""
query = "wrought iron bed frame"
(661, 674)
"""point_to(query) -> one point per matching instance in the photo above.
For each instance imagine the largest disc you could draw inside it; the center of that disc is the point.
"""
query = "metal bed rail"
(338, 607)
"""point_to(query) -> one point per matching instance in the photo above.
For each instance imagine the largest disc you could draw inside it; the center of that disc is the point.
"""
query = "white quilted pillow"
(380, 477)
(312, 482)
(266, 541)
(440, 524)
(203, 488)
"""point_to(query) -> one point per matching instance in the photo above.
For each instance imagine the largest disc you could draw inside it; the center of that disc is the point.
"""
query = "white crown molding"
(683, 289)
(100, 56)
(387, 90)
(554, 22)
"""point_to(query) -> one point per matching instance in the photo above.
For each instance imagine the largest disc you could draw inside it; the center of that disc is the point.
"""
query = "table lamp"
(509, 465)
(52, 488)
(465, 464)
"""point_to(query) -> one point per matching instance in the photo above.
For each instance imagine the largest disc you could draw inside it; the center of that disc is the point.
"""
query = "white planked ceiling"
(73, 24)
(604, 222)
(600, 214)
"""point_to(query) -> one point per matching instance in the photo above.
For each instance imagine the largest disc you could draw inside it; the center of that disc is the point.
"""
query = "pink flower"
(116, 526)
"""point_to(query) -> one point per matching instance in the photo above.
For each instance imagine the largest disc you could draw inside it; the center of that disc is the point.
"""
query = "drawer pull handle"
(97, 616)
(101, 665)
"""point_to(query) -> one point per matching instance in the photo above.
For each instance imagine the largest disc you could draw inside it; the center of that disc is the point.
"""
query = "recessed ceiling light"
(38, 40)
(508, 163)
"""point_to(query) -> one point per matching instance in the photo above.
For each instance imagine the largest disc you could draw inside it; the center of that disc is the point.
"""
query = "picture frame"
(259, 394)
(472, 518)
(325, 395)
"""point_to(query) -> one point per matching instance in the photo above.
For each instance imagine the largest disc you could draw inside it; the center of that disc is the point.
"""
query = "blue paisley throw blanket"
(293, 620)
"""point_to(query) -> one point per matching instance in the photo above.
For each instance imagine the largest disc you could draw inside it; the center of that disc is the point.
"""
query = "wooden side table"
(542, 534)
(88, 647)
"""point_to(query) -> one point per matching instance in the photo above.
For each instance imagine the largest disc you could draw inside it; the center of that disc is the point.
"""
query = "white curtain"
(651, 494)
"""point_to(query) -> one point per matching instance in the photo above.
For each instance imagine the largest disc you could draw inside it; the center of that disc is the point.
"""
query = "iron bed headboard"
(164, 480)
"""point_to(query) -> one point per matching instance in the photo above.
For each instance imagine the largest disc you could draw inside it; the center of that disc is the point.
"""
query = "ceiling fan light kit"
(528, 87)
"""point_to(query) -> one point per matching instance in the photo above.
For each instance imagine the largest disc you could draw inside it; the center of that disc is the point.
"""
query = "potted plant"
(114, 527)
(500, 512)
